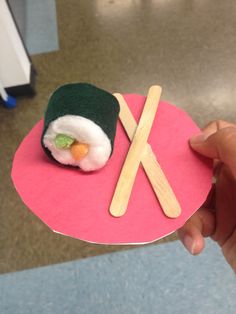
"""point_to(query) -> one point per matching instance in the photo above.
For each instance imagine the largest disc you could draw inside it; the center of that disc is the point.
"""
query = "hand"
(217, 217)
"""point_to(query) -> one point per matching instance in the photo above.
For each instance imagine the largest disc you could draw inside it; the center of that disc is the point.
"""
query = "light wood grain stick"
(157, 178)
(125, 183)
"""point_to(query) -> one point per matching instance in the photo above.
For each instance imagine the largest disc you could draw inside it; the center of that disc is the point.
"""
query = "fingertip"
(197, 139)
(194, 245)
(191, 237)
(189, 243)
(199, 245)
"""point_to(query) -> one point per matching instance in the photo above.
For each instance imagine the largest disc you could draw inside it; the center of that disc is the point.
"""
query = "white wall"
(14, 62)
(18, 8)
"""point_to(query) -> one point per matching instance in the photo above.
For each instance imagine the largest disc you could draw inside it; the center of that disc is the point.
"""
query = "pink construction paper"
(77, 204)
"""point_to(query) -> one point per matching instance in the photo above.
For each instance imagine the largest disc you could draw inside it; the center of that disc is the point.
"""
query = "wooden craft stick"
(157, 178)
(124, 186)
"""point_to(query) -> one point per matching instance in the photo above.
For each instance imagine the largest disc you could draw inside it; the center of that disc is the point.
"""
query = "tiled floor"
(188, 47)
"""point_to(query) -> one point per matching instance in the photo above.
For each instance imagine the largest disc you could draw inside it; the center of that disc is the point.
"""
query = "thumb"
(220, 145)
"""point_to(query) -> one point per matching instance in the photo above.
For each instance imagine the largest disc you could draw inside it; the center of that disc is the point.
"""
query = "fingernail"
(189, 244)
(198, 139)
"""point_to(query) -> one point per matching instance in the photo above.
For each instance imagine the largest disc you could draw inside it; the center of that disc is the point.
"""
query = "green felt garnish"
(63, 141)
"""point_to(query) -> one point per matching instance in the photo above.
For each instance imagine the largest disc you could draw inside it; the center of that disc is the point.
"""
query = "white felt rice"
(84, 131)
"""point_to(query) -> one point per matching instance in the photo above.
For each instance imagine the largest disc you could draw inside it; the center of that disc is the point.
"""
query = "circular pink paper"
(77, 204)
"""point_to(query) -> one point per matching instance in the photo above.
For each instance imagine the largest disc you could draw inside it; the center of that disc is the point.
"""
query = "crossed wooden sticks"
(141, 151)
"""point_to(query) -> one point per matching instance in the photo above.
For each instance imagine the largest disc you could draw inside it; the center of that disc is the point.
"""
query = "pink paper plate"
(76, 204)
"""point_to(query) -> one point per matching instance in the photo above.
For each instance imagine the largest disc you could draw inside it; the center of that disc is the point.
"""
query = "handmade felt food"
(80, 126)
(78, 204)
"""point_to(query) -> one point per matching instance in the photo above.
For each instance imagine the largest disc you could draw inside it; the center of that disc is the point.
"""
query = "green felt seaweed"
(63, 141)
(86, 100)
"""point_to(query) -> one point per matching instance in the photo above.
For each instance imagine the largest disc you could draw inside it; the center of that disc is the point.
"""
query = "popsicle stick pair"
(141, 151)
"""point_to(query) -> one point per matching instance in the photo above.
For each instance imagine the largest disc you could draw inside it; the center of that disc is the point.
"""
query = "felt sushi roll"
(80, 126)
